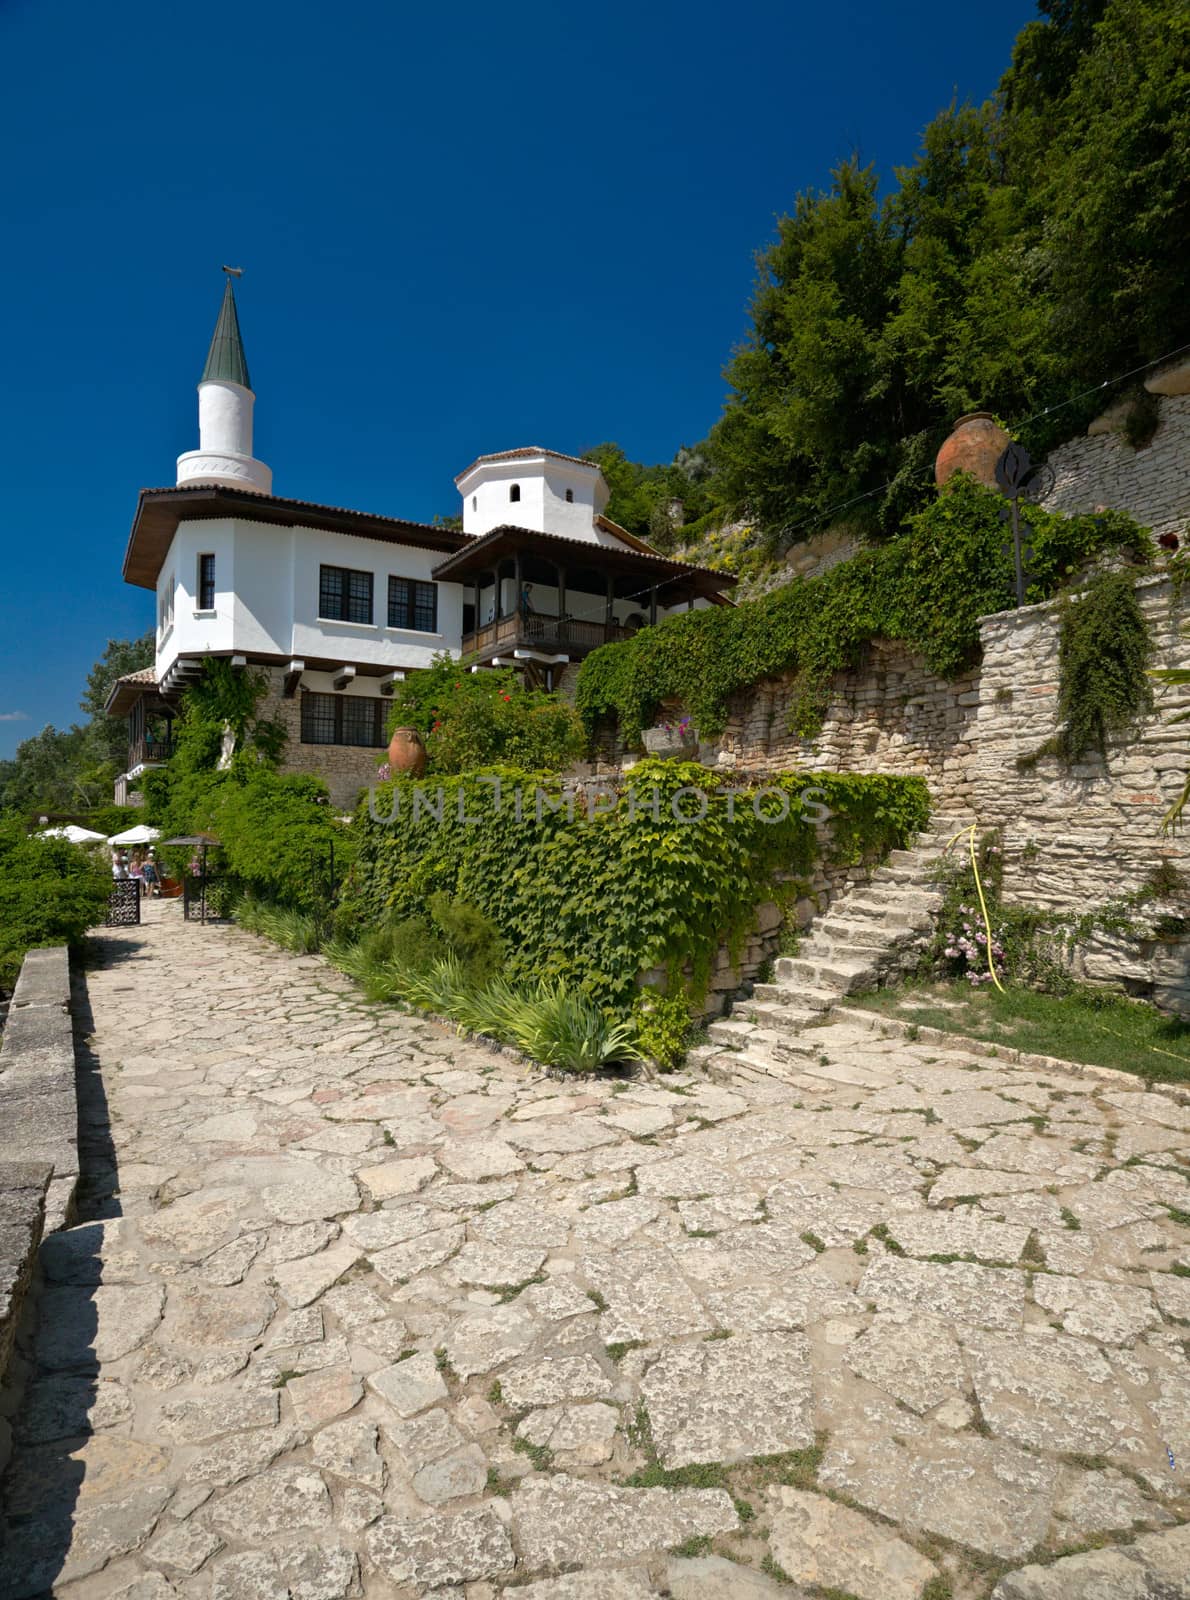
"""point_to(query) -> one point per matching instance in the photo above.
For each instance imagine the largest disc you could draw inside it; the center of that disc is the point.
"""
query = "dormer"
(533, 488)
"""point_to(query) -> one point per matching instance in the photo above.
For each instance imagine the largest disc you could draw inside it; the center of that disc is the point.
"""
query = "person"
(151, 876)
(120, 866)
(137, 872)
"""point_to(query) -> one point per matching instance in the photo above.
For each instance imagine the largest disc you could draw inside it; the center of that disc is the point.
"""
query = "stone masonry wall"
(1074, 840)
(1153, 483)
(1077, 838)
(346, 769)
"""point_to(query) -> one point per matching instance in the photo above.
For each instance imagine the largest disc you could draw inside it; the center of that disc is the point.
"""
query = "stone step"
(873, 902)
(917, 876)
(790, 993)
(774, 1014)
(846, 976)
(862, 931)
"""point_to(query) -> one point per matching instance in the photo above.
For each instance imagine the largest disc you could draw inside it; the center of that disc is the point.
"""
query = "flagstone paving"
(355, 1308)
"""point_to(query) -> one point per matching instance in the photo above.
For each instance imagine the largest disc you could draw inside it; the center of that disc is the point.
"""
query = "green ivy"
(1104, 650)
(928, 588)
(482, 719)
(597, 899)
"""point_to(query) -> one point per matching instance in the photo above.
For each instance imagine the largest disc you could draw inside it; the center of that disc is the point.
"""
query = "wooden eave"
(680, 578)
(158, 512)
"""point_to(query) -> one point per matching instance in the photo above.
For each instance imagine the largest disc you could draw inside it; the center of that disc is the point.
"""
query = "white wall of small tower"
(224, 454)
(542, 505)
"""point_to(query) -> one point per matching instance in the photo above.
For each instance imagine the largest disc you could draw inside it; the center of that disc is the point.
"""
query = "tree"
(73, 769)
(1034, 248)
(120, 657)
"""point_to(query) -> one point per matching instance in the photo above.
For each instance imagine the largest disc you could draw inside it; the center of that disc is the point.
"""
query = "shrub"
(928, 587)
(481, 719)
(51, 892)
(595, 901)
(663, 1023)
(292, 930)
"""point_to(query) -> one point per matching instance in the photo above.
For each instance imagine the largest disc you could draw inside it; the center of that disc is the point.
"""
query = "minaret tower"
(225, 402)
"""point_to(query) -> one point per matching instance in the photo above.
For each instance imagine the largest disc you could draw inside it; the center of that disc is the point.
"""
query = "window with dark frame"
(514, 492)
(413, 604)
(344, 595)
(206, 583)
(350, 719)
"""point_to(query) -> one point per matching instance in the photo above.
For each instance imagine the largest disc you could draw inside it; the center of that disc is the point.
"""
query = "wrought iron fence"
(123, 904)
(206, 899)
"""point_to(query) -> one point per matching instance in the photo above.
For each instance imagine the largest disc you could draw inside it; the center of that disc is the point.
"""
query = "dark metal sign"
(1020, 478)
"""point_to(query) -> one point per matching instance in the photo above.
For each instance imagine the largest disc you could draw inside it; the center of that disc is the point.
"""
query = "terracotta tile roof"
(526, 452)
(145, 675)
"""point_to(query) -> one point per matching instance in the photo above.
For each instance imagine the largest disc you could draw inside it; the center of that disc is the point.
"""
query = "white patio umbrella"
(73, 833)
(141, 834)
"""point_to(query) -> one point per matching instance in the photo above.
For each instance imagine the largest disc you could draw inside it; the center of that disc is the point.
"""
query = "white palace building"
(336, 606)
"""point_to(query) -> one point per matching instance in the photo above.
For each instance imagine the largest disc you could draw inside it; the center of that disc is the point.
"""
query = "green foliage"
(928, 587)
(655, 503)
(1104, 651)
(292, 930)
(595, 900)
(224, 700)
(72, 770)
(472, 937)
(51, 892)
(1032, 250)
(663, 1024)
(480, 719)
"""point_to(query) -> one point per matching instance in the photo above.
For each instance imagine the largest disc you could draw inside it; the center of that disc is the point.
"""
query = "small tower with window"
(225, 403)
(541, 490)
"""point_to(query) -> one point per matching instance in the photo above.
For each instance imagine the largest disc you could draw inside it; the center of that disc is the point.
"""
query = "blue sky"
(463, 228)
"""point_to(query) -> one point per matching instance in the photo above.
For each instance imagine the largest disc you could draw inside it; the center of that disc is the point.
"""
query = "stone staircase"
(870, 934)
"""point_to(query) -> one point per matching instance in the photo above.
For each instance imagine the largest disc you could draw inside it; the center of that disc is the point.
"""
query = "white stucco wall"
(266, 600)
(543, 482)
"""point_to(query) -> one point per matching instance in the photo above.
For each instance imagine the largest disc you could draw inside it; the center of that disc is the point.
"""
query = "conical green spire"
(225, 359)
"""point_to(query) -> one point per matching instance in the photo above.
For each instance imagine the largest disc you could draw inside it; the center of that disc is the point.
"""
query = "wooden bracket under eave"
(293, 676)
(343, 677)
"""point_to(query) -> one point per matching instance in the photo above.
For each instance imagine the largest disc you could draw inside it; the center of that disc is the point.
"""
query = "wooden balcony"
(149, 752)
(552, 635)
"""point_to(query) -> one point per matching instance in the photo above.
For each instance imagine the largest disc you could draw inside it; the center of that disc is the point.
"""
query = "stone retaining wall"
(39, 1164)
(1074, 840)
(810, 897)
(38, 1094)
(1103, 469)
(345, 769)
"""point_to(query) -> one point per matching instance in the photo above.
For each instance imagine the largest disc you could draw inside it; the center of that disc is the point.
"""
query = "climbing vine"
(596, 896)
(1104, 650)
(927, 587)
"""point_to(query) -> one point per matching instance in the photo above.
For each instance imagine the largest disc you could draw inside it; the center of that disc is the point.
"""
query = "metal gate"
(123, 904)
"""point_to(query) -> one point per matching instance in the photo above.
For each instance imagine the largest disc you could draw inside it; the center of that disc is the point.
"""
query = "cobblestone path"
(357, 1308)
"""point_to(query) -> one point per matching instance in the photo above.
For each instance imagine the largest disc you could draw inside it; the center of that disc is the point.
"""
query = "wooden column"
(516, 584)
(561, 592)
(611, 595)
(653, 606)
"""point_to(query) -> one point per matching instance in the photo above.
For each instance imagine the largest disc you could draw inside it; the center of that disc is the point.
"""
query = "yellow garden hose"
(983, 906)
(1098, 1026)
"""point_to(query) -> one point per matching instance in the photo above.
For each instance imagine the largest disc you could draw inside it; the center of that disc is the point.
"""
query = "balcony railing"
(557, 635)
(149, 752)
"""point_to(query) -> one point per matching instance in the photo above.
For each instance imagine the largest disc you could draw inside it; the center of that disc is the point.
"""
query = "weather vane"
(234, 272)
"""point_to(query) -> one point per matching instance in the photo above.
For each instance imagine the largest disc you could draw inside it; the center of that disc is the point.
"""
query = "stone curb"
(998, 1052)
(38, 1091)
(39, 1159)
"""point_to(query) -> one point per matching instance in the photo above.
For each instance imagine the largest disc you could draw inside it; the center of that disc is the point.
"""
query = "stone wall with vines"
(1078, 835)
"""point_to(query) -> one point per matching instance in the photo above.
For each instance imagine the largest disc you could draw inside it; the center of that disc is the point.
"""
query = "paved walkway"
(361, 1309)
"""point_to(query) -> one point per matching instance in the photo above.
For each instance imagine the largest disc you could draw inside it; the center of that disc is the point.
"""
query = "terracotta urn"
(406, 753)
(976, 443)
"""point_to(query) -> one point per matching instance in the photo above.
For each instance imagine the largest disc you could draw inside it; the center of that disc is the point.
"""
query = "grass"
(1094, 1027)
